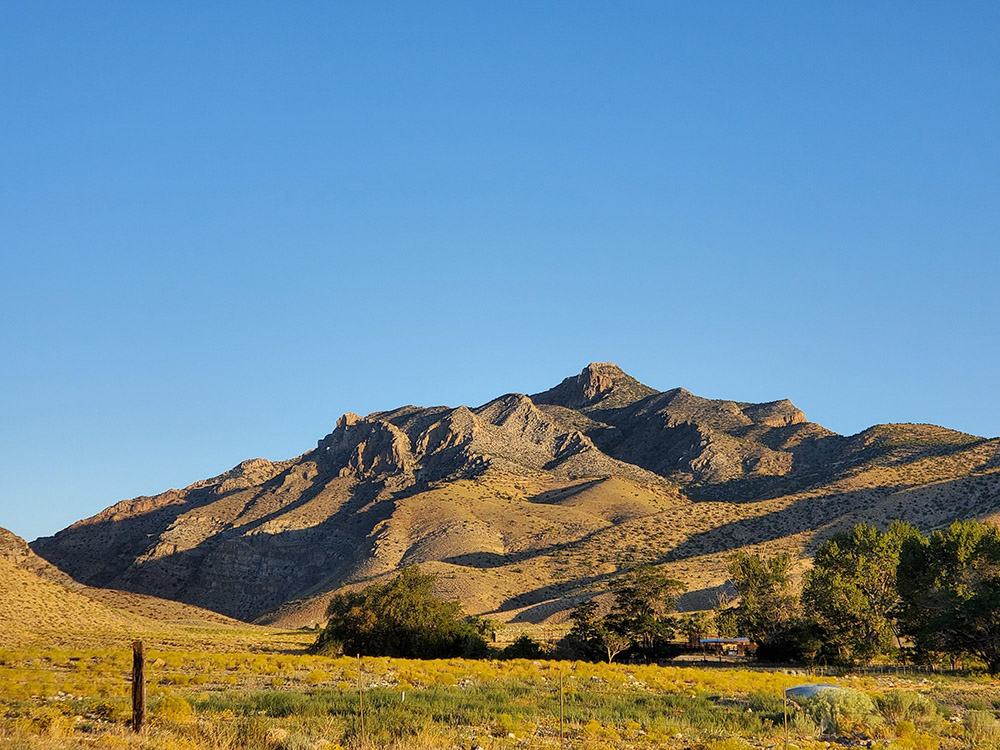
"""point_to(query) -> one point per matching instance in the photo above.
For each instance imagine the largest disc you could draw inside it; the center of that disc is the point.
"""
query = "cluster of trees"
(874, 593)
(401, 618)
(870, 594)
(639, 620)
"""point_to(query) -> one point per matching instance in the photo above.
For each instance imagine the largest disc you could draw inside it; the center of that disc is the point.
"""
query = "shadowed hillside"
(40, 604)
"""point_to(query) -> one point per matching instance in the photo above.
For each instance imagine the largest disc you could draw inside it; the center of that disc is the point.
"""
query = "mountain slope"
(41, 604)
(526, 504)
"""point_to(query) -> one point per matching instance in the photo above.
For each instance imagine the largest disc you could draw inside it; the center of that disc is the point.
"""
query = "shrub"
(842, 711)
(803, 725)
(733, 743)
(982, 729)
(594, 730)
(49, 721)
(899, 705)
(110, 710)
(173, 708)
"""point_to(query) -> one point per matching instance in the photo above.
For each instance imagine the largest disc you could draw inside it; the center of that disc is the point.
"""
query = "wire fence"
(825, 670)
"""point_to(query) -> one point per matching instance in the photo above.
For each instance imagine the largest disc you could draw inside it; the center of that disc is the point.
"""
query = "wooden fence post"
(138, 686)
(361, 705)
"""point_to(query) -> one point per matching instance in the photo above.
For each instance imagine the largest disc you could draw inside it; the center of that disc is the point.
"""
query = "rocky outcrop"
(599, 383)
(365, 447)
(774, 413)
(248, 474)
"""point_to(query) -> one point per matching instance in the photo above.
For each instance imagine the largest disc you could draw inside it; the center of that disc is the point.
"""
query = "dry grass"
(261, 691)
(38, 608)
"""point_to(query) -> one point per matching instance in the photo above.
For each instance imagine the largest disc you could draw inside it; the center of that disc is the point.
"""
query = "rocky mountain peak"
(598, 378)
(603, 383)
(347, 419)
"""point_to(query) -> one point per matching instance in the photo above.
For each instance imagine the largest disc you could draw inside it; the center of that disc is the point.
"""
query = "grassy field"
(261, 690)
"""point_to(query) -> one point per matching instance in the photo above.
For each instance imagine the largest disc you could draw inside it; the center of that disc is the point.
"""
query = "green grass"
(496, 707)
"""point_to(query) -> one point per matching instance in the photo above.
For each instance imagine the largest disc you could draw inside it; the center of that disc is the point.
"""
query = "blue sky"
(222, 226)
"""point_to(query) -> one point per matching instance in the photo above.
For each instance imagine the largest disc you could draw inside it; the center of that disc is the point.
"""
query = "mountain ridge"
(525, 504)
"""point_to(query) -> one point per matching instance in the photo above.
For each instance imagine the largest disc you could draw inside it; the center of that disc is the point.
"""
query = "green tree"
(639, 616)
(401, 618)
(595, 637)
(695, 626)
(644, 599)
(767, 608)
(725, 621)
(525, 647)
(485, 626)
(851, 591)
(949, 585)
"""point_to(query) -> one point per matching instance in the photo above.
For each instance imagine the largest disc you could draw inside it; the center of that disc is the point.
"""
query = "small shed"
(727, 646)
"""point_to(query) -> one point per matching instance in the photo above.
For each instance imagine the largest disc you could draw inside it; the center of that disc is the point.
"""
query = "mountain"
(41, 604)
(527, 504)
